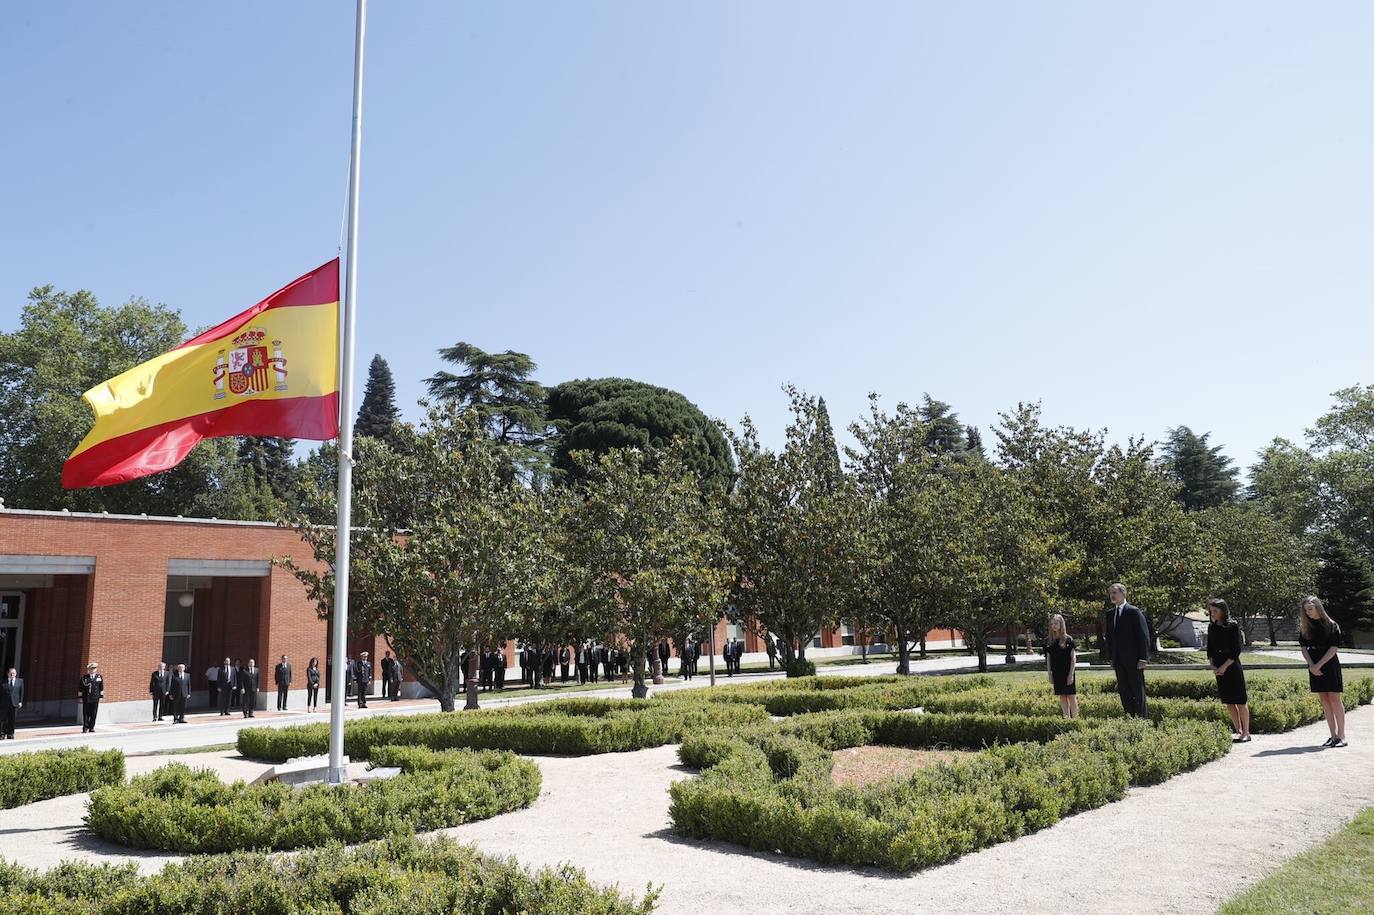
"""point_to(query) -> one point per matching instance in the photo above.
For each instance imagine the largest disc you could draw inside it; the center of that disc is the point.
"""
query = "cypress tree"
(1205, 475)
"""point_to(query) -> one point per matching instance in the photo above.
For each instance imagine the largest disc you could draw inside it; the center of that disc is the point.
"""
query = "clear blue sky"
(1143, 215)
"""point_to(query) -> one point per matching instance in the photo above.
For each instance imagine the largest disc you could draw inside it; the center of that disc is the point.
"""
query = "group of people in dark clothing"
(1128, 642)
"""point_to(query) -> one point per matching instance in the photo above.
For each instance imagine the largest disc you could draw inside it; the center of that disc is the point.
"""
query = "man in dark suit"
(498, 665)
(226, 677)
(281, 675)
(248, 684)
(11, 701)
(157, 688)
(392, 673)
(664, 653)
(1128, 646)
(179, 688)
(362, 678)
(91, 690)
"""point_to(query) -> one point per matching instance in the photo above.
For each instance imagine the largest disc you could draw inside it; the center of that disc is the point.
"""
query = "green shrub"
(574, 727)
(29, 777)
(398, 875)
(769, 792)
(176, 808)
(798, 667)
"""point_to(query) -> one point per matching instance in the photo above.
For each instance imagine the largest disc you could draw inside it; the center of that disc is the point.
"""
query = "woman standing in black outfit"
(1061, 657)
(312, 686)
(1321, 637)
(1223, 653)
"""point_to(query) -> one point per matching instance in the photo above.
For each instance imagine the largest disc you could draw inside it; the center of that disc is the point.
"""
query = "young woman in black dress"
(1223, 654)
(312, 686)
(1061, 657)
(1319, 640)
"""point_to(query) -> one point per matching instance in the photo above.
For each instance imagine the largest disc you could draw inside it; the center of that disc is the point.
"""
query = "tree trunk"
(863, 646)
(656, 668)
(980, 647)
(474, 662)
(923, 644)
(640, 690)
(903, 656)
(1273, 640)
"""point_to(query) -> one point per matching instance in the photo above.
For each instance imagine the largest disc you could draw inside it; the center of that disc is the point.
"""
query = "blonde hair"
(1063, 629)
(1305, 621)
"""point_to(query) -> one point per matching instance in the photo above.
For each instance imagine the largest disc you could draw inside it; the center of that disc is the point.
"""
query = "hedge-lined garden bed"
(176, 808)
(769, 788)
(576, 727)
(29, 777)
(398, 875)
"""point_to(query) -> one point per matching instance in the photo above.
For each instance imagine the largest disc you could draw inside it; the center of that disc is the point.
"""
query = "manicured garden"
(1336, 876)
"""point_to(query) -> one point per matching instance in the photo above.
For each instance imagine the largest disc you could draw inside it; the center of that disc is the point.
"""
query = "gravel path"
(1181, 847)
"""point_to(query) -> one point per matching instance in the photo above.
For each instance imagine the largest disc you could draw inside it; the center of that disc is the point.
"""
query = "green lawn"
(1336, 876)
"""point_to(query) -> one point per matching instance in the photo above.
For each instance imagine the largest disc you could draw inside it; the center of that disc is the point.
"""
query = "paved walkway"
(209, 729)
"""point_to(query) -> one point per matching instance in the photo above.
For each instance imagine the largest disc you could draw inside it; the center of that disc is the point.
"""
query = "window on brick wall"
(847, 633)
(178, 618)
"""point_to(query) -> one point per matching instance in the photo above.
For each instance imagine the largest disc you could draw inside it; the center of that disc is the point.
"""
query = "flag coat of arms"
(271, 370)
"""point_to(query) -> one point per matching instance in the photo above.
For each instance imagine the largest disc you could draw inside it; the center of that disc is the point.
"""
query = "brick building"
(128, 591)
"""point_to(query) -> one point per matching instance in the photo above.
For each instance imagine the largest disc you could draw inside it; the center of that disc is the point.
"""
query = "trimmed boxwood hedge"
(29, 777)
(177, 808)
(398, 875)
(576, 727)
(770, 789)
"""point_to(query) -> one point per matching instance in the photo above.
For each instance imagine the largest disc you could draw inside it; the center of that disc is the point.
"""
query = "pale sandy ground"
(1181, 847)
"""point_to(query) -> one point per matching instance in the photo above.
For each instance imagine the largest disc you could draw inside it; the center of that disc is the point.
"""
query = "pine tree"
(1345, 584)
(944, 433)
(270, 466)
(1204, 474)
(378, 415)
(973, 442)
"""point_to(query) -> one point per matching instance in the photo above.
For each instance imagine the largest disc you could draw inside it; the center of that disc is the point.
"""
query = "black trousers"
(250, 702)
(158, 704)
(281, 697)
(225, 694)
(178, 709)
(89, 710)
(7, 720)
(563, 669)
(1130, 684)
(312, 696)
(395, 687)
(362, 694)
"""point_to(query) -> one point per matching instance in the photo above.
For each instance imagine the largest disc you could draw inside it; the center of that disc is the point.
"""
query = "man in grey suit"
(1128, 646)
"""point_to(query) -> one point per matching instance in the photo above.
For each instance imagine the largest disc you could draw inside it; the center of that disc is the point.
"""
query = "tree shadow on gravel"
(666, 834)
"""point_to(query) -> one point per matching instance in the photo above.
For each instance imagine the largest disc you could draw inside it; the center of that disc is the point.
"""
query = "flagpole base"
(337, 775)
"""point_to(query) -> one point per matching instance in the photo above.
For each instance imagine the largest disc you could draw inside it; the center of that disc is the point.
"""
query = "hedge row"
(176, 808)
(771, 790)
(29, 777)
(399, 875)
(576, 727)
(824, 694)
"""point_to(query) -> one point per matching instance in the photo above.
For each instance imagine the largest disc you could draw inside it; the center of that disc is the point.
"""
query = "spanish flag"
(270, 370)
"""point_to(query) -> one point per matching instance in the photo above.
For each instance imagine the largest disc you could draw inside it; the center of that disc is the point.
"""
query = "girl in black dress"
(1223, 654)
(1061, 658)
(1319, 640)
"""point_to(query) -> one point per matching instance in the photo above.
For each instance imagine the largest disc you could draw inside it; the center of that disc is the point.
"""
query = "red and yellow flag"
(270, 370)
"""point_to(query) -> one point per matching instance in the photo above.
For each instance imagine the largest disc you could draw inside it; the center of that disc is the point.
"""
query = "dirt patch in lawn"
(859, 767)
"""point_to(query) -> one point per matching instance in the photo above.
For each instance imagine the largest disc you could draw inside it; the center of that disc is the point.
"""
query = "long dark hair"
(1225, 611)
(314, 662)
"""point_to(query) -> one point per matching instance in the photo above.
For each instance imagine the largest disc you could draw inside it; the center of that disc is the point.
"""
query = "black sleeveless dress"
(1223, 642)
(1059, 666)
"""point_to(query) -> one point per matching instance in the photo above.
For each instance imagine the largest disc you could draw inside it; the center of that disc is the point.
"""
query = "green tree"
(1284, 482)
(601, 414)
(944, 432)
(66, 344)
(448, 552)
(1345, 584)
(973, 442)
(647, 546)
(271, 466)
(500, 390)
(378, 414)
(783, 525)
(1265, 570)
(1206, 477)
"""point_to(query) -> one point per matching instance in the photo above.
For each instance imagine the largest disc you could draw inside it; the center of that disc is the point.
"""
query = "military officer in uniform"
(92, 690)
(362, 678)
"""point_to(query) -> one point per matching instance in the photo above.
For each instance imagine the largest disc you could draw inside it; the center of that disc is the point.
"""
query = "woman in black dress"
(1061, 658)
(1223, 653)
(312, 686)
(1319, 640)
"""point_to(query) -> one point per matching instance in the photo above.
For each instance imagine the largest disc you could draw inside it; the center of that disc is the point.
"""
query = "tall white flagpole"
(338, 772)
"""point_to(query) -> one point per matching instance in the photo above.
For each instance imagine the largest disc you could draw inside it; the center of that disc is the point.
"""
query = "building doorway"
(11, 629)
